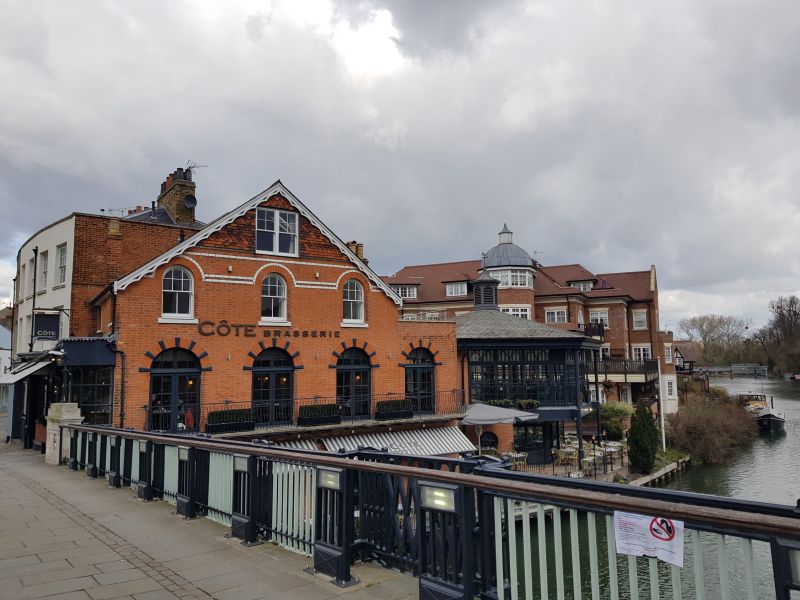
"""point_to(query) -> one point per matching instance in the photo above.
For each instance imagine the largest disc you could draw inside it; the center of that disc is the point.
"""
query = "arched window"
(353, 302)
(420, 387)
(174, 391)
(273, 298)
(353, 383)
(273, 379)
(177, 295)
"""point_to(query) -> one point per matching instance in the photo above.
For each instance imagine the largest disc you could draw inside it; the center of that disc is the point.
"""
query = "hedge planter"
(389, 410)
(230, 427)
(319, 414)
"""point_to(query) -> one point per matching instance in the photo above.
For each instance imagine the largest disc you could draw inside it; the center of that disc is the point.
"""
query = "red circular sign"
(662, 529)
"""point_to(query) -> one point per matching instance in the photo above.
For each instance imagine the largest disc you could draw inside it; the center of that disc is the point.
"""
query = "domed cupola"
(506, 253)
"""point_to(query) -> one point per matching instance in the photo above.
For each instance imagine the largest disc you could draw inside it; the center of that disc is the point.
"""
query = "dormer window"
(276, 232)
(456, 289)
(583, 286)
(405, 291)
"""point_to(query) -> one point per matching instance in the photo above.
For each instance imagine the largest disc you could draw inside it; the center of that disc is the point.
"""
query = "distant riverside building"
(265, 323)
(636, 357)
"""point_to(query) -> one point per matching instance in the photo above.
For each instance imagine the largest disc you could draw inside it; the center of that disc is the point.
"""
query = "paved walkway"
(64, 536)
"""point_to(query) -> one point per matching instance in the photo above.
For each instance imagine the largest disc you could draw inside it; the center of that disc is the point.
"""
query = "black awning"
(88, 353)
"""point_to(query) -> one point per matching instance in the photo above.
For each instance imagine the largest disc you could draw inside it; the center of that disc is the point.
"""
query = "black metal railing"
(243, 416)
(464, 527)
(624, 366)
(592, 329)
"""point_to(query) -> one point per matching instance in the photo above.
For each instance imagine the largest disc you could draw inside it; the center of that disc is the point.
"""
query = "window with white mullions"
(599, 316)
(555, 316)
(276, 231)
(61, 264)
(177, 295)
(640, 319)
(353, 302)
(273, 298)
(456, 289)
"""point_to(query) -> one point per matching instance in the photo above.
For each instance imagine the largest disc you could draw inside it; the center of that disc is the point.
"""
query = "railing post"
(333, 525)
(114, 479)
(446, 558)
(186, 496)
(91, 458)
(243, 519)
(145, 486)
(73, 450)
(785, 567)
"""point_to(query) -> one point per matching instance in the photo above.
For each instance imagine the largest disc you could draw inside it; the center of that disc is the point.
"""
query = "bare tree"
(720, 336)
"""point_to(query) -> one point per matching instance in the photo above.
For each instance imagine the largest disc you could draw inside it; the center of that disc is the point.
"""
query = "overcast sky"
(615, 134)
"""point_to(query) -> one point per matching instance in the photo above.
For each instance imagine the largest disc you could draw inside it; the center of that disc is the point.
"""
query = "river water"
(768, 469)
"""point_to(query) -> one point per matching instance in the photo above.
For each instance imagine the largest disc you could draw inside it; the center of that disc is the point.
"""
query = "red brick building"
(266, 315)
(636, 360)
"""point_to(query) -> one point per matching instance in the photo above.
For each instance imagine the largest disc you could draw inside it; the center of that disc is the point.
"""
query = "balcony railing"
(243, 416)
(592, 329)
(621, 366)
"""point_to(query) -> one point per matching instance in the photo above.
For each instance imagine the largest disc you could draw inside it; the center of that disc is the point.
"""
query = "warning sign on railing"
(654, 537)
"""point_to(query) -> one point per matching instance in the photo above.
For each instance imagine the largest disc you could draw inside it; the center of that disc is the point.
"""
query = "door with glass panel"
(419, 381)
(174, 392)
(272, 397)
(353, 383)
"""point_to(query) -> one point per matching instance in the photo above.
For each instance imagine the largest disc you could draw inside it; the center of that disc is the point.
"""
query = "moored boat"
(770, 420)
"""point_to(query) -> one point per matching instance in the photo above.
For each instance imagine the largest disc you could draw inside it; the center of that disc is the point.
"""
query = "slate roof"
(491, 324)
(431, 279)
(160, 216)
(506, 255)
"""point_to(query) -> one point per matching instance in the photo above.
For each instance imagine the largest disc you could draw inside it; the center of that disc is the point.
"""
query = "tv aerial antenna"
(192, 166)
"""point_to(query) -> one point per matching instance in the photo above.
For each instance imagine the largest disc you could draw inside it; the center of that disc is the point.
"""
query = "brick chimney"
(177, 196)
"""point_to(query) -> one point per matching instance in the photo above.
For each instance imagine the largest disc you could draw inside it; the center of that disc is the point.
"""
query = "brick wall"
(313, 311)
(107, 248)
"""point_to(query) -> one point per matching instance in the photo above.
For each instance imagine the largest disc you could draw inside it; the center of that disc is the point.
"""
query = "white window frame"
(513, 278)
(668, 353)
(31, 278)
(522, 311)
(21, 288)
(179, 317)
(292, 220)
(280, 319)
(456, 289)
(408, 292)
(640, 315)
(670, 388)
(61, 264)
(353, 294)
(551, 315)
(583, 286)
(43, 260)
(641, 352)
(599, 315)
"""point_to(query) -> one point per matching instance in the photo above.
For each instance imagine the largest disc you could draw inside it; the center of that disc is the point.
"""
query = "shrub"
(709, 428)
(528, 404)
(614, 418)
(643, 440)
(230, 415)
(501, 403)
(310, 411)
(393, 406)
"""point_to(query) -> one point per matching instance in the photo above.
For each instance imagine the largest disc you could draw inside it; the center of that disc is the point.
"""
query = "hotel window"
(61, 264)
(31, 277)
(670, 388)
(21, 282)
(668, 353)
(599, 316)
(353, 302)
(555, 315)
(276, 231)
(273, 298)
(43, 259)
(524, 312)
(605, 352)
(405, 291)
(513, 278)
(177, 294)
(583, 286)
(456, 289)
(641, 352)
(640, 319)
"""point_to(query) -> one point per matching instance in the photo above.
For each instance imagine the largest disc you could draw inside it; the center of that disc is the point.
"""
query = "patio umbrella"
(485, 414)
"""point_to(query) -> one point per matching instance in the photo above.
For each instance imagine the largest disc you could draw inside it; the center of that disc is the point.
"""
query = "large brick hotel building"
(265, 323)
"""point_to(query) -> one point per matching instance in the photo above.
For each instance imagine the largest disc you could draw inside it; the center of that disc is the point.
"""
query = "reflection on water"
(766, 470)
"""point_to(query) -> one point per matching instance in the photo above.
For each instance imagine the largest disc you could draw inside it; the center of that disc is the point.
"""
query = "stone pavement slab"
(66, 537)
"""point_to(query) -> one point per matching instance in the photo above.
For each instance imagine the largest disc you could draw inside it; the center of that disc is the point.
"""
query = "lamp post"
(553, 455)
(594, 450)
